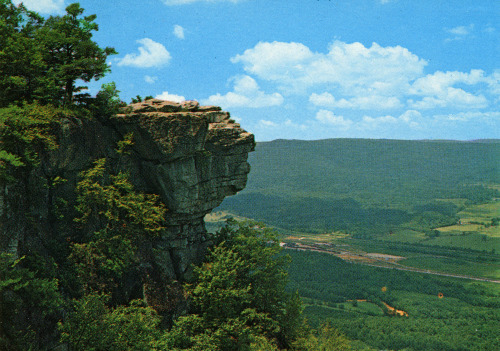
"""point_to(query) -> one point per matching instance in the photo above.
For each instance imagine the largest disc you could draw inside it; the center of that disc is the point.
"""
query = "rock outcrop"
(192, 156)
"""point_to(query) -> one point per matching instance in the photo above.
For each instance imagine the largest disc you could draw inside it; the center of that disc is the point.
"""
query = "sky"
(311, 69)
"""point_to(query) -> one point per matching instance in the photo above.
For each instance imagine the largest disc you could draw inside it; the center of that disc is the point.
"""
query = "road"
(361, 258)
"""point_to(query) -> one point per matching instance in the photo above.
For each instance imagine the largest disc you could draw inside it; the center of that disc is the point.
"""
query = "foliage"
(94, 326)
(464, 318)
(238, 296)
(24, 297)
(115, 219)
(107, 101)
(21, 62)
(325, 338)
(42, 59)
(70, 54)
(24, 132)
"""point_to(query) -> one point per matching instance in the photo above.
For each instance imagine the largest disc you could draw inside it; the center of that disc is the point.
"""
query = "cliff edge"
(192, 156)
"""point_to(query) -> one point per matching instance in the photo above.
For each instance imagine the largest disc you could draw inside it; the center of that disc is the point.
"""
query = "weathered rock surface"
(191, 156)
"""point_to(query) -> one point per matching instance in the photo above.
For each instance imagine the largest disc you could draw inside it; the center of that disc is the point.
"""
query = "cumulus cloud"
(43, 6)
(246, 93)
(151, 54)
(170, 97)
(179, 31)
(438, 90)
(374, 102)
(329, 118)
(352, 68)
(185, 2)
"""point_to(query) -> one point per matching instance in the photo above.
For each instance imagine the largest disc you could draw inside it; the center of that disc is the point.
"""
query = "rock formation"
(191, 156)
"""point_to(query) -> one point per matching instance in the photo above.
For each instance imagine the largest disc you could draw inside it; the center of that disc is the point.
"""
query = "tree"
(21, 62)
(92, 325)
(114, 220)
(238, 295)
(71, 54)
(28, 305)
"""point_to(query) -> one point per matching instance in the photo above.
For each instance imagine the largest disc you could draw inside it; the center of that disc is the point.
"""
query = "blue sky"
(312, 69)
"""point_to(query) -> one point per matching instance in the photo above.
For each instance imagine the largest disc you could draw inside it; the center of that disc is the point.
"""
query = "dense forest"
(432, 204)
(70, 294)
(440, 313)
(367, 188)
(406, 198)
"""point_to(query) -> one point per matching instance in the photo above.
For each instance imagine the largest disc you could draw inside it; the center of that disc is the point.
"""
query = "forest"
(70, 283)
(441, 313)
(432, 202)
(433, 205)
(368, 188)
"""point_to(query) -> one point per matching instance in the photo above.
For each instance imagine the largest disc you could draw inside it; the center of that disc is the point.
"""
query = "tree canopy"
(42, 59)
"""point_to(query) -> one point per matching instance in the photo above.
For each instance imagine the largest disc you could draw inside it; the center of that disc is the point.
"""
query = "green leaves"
(25, 132)
(42, 59)
(115, 219)
(94, 326)
(238, 295)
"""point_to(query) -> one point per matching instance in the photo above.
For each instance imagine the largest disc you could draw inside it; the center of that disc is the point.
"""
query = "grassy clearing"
(467, 240)
(454, 266)
(477, 218)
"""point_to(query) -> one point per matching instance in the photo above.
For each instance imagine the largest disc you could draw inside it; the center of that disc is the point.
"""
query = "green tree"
(29, 306)
(21, 62)
(325, 338)
(114, 220)
(24, 132)
(93, 326)
(70, 54)
(238, 295)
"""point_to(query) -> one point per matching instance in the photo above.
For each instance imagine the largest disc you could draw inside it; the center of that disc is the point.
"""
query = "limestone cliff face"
(191, 156)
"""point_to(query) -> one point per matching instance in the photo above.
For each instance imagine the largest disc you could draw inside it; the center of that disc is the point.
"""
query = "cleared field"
(467, 240)
(454, 266)
(477, 218)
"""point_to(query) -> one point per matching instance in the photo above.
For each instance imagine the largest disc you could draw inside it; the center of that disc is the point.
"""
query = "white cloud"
(179, 31)
(170, 97)
(374, 102)
(246, 93)
(460, 32)
(490, 116)
(151, 54)
(185, 2)
(328, 117)
(352, 68)
(373, 122)
(409, 118)
(266, 123)
(43, 6)
(150, 80)
(438, 90)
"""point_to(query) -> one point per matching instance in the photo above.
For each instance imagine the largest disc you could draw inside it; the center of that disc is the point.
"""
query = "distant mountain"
(359, 184)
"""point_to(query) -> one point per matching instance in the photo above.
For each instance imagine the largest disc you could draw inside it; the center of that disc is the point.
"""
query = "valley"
(374, 226)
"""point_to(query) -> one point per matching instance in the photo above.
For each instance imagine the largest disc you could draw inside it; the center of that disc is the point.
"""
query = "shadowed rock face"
(191, 156)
